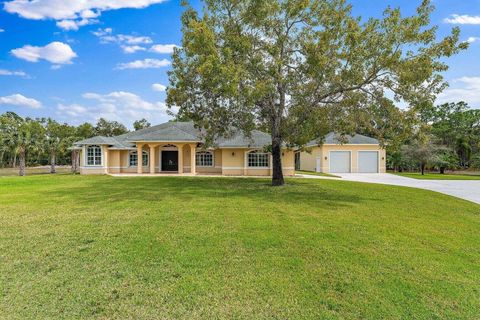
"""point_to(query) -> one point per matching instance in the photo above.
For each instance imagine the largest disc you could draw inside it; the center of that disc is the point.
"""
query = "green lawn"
(438, 176)
(77, 247)
(316, 173)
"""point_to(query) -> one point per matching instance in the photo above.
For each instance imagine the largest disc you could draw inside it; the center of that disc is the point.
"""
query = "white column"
(160, 158)
(152, 159)
(245, 161)
(270, 163)
(180, 159)
(105, 159)
(139, 158)
(193, 164)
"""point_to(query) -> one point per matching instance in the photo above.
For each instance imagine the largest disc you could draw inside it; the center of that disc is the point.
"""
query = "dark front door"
(169, 160)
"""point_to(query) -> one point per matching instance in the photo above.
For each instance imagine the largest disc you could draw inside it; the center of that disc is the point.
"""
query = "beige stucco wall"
(308, 161)
(217, 163)
(226, 161)
(309, 157)
(101, 169)
(125, 167)
(288, 162)
(233, 163)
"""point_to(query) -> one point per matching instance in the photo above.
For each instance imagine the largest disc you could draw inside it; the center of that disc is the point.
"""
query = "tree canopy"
(141, 124)
(301, 68)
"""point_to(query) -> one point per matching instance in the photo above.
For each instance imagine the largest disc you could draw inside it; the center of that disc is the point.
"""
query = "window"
(258, 159)
(94, 156)
(204, 159)
(134, 159)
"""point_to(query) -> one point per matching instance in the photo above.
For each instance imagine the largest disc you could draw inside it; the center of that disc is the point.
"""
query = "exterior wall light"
(326, 158)
(233, 154)
(383, 158)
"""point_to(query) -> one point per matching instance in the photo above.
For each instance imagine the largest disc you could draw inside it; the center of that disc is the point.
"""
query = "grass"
(78, 247)
(316, 173)
(33, 170)
(438, 176)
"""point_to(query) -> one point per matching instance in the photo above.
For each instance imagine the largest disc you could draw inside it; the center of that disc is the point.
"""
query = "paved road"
(464, 189)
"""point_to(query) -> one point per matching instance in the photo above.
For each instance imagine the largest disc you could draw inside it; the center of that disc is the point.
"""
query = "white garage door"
(368, 161)
(339, 161)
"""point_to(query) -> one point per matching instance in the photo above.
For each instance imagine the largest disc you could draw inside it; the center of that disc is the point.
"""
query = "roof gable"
(335, 138)
(178, 132)
(169, 131)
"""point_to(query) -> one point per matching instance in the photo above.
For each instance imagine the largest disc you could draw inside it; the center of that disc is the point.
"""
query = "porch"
(155, 158)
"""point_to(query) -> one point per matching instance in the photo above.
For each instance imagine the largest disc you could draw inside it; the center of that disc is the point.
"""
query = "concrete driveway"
(464, 189)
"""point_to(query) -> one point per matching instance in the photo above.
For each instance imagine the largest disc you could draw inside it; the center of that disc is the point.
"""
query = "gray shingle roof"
(98, 140)
(258, 140)
(177, 131)
(170, 131)
(335, 138)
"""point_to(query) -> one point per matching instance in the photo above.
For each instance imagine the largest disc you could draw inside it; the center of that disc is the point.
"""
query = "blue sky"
(76, 61)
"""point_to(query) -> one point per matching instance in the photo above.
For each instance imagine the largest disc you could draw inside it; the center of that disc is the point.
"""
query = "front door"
(169, 160)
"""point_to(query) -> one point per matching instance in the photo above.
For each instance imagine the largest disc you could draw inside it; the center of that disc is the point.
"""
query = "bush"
(475, 161)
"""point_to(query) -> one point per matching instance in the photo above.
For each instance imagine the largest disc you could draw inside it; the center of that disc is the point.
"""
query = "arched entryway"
(168, 158)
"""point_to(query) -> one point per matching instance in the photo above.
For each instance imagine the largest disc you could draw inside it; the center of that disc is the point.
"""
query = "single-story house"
(345, 154)
(176, 147)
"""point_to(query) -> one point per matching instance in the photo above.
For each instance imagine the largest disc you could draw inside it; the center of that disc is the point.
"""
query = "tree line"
(442, 137)
(44, 141)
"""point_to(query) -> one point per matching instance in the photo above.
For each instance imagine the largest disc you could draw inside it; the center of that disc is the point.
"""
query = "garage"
(368, 161)
(340, 161)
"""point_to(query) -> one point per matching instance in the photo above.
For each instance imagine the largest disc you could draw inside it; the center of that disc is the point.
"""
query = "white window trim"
(101, 157)
(135, 151)
(247, 164)
(213, 159)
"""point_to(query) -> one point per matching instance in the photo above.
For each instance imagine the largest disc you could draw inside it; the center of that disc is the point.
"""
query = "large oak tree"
(299, 66)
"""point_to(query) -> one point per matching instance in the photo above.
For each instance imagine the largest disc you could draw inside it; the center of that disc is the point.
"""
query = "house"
(345, 154)
(177, 147)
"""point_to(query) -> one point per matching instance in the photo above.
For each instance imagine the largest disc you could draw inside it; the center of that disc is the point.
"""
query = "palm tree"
(26, 137)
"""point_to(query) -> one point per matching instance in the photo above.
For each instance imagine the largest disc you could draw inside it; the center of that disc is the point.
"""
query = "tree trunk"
(75, 161)
(52, 163)
(442, 170)
(14, 163)
(423, 169)
(277, 174)
(21, 171)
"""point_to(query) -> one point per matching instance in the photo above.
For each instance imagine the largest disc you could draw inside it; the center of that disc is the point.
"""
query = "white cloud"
(125, 39)
(163, 48)
(55, 52)
(126, 100)
(2, 30)
(102, 32)
(21, 101)
(128, 43)
(462, 19)
(74, 24)
(73, 110)
(4, 72)
(472, 39)
(462, 89)
(121, 106)
(71, 14)
(144, 64)
(132, 49)
(159, 87)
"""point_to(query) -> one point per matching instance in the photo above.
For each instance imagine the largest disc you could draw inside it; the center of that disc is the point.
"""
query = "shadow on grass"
(109, 190)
